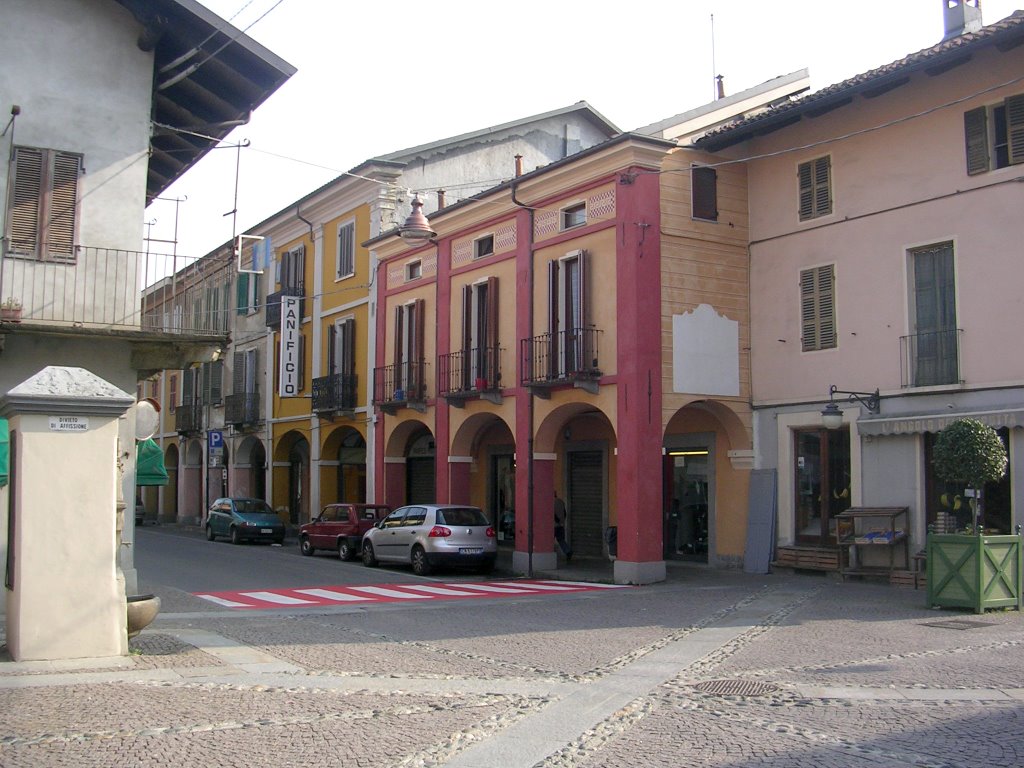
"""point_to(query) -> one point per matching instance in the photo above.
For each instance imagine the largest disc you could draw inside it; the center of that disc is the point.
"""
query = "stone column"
(66, 595)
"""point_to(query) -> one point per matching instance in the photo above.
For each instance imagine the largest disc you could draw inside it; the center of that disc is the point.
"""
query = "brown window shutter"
(976, 140)
(59, 232)
(399, 356)
(467, 321)
(584, 267)
(492, 314)
(553, 267)
(420, 311)
(1015, 128)
(238, 373)
(806, 191)
(26, 199)
(826, 308)
(817, 308)
(822, 186)
(348, 347)
(332, 339)
(173, 392)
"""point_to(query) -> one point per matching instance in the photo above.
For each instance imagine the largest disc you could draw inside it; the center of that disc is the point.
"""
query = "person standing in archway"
(559, 510)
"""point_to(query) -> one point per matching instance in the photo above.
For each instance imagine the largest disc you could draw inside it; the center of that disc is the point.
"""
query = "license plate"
(470, 550)
(266, 530)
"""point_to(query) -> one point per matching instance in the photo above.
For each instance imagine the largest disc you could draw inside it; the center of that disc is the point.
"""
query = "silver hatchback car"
(433, 535)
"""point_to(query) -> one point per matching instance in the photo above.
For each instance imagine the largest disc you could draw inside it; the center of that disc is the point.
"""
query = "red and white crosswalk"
(314, 597)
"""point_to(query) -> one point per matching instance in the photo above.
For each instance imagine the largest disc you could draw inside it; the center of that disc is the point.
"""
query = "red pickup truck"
(340, 527)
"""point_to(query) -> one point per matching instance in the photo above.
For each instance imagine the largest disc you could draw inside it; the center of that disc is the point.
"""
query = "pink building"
(885, 240)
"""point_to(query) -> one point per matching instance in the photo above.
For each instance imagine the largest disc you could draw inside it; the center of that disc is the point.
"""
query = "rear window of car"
(250, 506)
(461, 516)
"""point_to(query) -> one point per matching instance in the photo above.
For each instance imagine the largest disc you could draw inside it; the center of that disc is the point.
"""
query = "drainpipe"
(530, 396)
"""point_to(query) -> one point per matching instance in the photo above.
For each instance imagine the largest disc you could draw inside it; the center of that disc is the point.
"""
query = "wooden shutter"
(252, 359)
(817, 308)
(467, 320)
(399, 356)
(242, 294)
(976, 140)
(492, 314)
(332, 337)
(420, 314)
(348, 347)
(215, 382)
(553, 345)
(584, 270)
(815, 187)
(1015, 128)
(806, 191)
(238, 373)
(704, 193)
(173, 392)
(188, 387)
(44, 202)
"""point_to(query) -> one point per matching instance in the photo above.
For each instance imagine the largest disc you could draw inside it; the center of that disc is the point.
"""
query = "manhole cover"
(736, 688)
(958, 624)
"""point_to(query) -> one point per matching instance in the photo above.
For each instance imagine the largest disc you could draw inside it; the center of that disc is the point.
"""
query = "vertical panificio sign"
(289, 356)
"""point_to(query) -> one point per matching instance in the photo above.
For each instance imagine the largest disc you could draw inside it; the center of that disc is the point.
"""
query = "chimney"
(720, 82)
(961, 17)
(440, 199)
(519, 165)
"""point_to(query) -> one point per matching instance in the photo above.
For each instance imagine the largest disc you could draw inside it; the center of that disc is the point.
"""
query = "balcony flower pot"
(972, 569)
(10, 310)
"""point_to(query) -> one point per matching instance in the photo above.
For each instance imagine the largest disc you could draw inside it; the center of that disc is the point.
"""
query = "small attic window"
(413, 270)
(574, 216)
(483, 246)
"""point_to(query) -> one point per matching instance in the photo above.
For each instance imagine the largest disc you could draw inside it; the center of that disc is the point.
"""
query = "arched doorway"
(352, 469)
(250, 476)
(193, 506)
(419, 469)
(298, 482)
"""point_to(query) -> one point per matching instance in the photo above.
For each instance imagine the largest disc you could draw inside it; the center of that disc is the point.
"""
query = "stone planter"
(977, 572)
(142, 609)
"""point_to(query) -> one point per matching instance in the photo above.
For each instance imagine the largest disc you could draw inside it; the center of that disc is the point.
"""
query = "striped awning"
(935, 422)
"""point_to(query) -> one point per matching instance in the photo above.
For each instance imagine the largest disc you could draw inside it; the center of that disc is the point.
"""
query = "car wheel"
(420, 564)
(345, 550)
(369, 559)
(210, 535)
(305, 547)
(236, 537)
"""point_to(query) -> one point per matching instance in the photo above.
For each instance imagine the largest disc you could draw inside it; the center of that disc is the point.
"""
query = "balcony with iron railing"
(469, 374)
(335, 394)
(930, 359)
(243, 409)
(273, 308)
(188, 419)
(113, 289)
(557, 359)
(402, 385)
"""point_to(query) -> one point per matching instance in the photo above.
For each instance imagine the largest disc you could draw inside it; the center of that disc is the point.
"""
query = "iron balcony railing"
(119, 289)
(336, 392)
(551, 359)
(400, 383)
(469, 371)
(188, 418)
(930, 359)
(273, 309)
(243, 408)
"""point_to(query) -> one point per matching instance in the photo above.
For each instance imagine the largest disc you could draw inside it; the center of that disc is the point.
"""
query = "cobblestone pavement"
(710, 668)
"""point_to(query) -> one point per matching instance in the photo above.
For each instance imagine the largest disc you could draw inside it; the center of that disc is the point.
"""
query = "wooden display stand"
(869, 538)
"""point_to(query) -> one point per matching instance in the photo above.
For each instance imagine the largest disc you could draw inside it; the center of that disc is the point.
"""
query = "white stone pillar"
(66, 595)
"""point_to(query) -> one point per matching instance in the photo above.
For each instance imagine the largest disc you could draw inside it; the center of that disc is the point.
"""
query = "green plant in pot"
(972, 570)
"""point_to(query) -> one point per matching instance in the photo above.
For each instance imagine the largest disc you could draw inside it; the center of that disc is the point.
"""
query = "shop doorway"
(585, 512)
(822, 483)
(688, 497)
(419, 468)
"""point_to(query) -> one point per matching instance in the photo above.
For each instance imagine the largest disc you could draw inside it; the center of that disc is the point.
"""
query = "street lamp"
(416, 229)
(832, 416)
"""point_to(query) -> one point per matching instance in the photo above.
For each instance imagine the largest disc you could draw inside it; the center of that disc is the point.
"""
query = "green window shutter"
(976, 140)
(1015, 128)
(242, 294)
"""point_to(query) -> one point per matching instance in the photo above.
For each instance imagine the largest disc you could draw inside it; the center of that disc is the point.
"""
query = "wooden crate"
(907, 579)
(807, 558)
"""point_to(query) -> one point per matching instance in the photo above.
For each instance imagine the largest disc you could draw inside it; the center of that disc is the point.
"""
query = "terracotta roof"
(1008, 32)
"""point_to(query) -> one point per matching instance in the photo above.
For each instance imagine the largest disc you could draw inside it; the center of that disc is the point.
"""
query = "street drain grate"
(958, 624)
(736, 688)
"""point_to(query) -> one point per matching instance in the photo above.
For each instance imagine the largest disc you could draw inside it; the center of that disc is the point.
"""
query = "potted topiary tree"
(972, 569)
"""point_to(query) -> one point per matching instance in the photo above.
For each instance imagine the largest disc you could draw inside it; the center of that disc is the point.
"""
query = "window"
(212, 377)
(817, 308)
(43, 203)
(247, 295)
(933, 353)
(815, 188)
(574, 216)
(346, 264)
(413, 270)
(409, 322)
(341, 347)
(480, 334)
(243, 377)
(483, 246)
(567, 315)
(704, 192)
(190, 387)
(293, 271)
(994, 135)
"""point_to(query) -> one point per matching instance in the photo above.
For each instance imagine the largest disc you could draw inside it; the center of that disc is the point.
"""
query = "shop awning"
(935, 422)
(149, 464)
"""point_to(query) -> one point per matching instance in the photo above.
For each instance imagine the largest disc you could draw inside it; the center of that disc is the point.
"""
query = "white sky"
(373, 79)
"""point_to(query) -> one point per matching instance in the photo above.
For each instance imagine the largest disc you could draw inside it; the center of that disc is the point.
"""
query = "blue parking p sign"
(215, 439)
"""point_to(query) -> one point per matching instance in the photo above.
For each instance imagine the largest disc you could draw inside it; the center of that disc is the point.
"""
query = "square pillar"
(66, 597)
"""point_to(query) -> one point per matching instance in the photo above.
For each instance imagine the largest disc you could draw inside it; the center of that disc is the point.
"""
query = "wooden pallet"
(807, 558)
(907, 579)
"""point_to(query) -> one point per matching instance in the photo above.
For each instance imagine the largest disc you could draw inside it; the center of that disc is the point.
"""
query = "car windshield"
(253, 506)
(461, 516)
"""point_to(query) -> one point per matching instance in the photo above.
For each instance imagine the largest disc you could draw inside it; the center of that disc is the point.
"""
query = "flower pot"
(10, 314)
(977, 572)
(142, 609)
